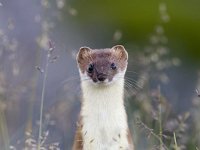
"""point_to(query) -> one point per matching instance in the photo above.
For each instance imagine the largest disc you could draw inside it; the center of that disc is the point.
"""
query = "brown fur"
(102, 57)
(130, 139)
(78, 140)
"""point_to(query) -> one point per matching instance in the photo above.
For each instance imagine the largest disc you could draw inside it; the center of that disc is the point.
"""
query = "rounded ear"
(83, 54)
(120, 52)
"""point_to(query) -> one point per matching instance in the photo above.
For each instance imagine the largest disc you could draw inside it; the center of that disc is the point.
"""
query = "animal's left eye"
(113, 66)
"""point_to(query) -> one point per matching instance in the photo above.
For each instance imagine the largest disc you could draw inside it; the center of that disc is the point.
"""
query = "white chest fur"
(104, 118)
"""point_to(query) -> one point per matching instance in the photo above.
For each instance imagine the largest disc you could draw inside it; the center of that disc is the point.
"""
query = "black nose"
(101, 77)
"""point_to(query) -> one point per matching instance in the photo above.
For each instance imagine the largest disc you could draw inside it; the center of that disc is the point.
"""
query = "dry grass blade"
(48, 57)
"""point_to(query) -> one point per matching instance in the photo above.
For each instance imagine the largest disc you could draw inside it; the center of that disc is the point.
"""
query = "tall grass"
(41, 139)
(49, 52)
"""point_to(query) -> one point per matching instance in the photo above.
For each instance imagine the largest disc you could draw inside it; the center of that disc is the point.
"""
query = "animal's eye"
(90, 68)
(113, 66)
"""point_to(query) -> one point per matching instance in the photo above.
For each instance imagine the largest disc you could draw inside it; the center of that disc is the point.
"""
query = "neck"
(95, 96)
(103, 114)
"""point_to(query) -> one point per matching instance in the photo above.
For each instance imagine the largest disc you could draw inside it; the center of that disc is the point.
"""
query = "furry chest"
(103, 132)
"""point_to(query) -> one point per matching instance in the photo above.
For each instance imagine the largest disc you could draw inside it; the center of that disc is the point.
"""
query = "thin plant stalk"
(160, 127)
(4, 130)
(42, 99)
(144, 126)
(160, 119)
(175, 142)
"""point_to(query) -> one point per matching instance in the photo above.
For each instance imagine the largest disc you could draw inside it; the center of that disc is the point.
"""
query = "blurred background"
(162, 81)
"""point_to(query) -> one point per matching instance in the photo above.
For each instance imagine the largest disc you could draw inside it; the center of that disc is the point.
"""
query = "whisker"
(85, 79)
(132, 72)
(127, 93)
(139, 75)
(132, 85)
(67, 81)
(129, 90)
(70, 79)
(134, 81)
(73, 78)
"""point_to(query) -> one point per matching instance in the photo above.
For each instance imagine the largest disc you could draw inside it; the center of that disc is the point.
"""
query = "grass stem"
(42, 100)
(175, 142)
(160, 120)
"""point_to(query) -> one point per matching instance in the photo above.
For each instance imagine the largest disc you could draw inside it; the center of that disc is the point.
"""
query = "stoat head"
(102, 66)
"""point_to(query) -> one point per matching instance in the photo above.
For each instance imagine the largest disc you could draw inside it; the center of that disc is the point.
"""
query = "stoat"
(103, 120)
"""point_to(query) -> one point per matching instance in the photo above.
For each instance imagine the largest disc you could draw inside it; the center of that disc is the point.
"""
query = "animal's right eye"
(90, 68)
